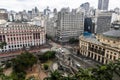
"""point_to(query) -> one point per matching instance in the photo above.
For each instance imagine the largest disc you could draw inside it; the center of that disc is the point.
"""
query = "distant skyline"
(19, 5)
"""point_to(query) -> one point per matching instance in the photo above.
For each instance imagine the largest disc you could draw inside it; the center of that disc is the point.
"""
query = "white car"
(62, 51)
(78, 65)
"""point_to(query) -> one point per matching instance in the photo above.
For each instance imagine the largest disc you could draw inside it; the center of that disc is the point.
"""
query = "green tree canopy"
(22, 63)
(2, 44)
(104, 72)
(73, 40)
(47, 55)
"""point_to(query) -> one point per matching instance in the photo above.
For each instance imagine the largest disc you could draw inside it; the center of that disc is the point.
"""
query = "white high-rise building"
(51, 27)
(103, 4)
(70, 24)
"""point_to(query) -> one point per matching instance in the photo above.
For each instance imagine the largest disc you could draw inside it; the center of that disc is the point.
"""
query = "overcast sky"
(19, 5)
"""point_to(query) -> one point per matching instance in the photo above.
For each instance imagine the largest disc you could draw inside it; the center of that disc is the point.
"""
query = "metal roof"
(112, 33)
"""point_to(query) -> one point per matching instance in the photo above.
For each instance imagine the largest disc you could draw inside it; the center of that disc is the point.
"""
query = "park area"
(27, 66)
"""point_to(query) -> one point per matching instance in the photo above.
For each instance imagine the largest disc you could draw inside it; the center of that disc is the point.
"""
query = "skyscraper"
(103, 4)
(85, 6)
(103, 22)
(70, 24)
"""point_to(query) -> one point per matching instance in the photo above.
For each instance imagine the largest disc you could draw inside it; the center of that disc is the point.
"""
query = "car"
(62, 51)
(60, 48)
(78, 65)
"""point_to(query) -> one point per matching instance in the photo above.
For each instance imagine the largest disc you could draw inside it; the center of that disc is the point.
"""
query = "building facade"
(103, 4)
(86, 6)
(88, 25)
(3, 16)
(51, 25)
(19, 35)
(103, 48)
(102, 21)
(69, 24)
(51, 28)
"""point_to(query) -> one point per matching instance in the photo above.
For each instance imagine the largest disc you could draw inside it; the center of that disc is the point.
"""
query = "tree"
(46, 66)
(55, 75)
(1, 72)
(2, 44)
(48, 37)
(73, 40)
(31, 78)
(84, 74)
(7, 64)
(104, 72)
(68, 78)
(3, 76)
(47, 55)
(22, 63)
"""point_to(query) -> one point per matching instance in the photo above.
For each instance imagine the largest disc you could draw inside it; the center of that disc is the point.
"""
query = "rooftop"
(112, 34)
(91, 39)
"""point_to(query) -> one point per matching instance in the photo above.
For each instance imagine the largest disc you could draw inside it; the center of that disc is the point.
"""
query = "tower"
(103, 4)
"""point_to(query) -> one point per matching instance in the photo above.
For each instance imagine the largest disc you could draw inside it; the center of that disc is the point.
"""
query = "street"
(84, 63)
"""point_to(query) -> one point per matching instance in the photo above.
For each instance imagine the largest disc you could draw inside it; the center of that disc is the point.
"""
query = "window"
(14, 38)
(102, 59)
(96, 47)
(8, 39)
(11, 39)
(111, 52)
(110, 56)
(107, 55)
(114, 42)
(114, 57)
(98, 58)
(95, 56)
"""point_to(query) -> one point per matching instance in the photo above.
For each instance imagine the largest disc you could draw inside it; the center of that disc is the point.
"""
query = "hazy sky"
(19, 5)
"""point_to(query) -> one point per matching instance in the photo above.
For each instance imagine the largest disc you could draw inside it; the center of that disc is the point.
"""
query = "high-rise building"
(47, 11)
(29, 15)
(18, 17)
(103, 4)
(55, 11)
(51, 27)
(85, 6)
(3, 14)
(11, 16)
(69, 24)
(51, 24)
(117, 10)
(102, 21)
(88, 25)
(36, 10)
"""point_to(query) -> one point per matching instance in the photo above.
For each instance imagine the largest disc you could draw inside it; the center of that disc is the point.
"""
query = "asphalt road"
(85, 63)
